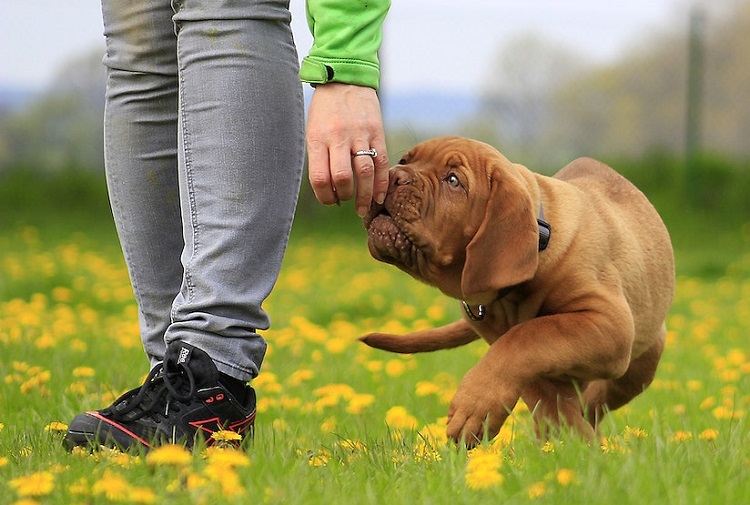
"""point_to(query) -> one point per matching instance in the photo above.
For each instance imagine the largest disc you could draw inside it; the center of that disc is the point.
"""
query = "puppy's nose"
(400, 177)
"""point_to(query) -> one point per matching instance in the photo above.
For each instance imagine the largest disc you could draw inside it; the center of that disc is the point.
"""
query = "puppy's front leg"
(584, 346)
(481, 404)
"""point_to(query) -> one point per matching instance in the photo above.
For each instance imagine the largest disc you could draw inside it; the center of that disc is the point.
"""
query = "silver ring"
(367, 152)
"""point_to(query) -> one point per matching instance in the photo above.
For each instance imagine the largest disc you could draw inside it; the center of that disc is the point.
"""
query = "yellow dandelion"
(548, 447)
(26, 501)
(299, 376)
(320, 458)
(434, 434)
(708, 403)
(56, 426)
(116, 457)
(226, 436)
(435, 312)
(78, 345)
(709, 434)
(77, 388)
(45, 341)
(399, 418)
(226, 457)
(195, 481)
(482, 458)
(265, 380)
(326, 401)
(728, 413)
(694, 385)
(337, 391)
(612, 446)
(354, 449)
(394, 368)
(226, 478)
(4, 461)
(169, 455)
(81, 487)
(112, 486)
(329, 425)
(84, 372)
(681, 436)
(424, 388)
(337, 345)
(633, 434)
(537, 490)
(359, 402)
(374, 366)
(36, 484)
(403, 311)
(425, 451)
(264, 403)
(290, 402)
(730, 375)
(80, 452)
(483, 479)
(566, 477)
(61, 294)
(736, 357)
(20, 366)
(2, 426)
(143, 495)
(399, 456)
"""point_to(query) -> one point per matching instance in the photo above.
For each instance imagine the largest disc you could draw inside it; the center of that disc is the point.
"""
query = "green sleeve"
(346, 37)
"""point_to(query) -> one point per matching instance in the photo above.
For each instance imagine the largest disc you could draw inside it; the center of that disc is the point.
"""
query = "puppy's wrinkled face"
(435, 204)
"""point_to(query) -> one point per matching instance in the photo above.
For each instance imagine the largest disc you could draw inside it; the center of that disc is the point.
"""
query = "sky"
(437, 45)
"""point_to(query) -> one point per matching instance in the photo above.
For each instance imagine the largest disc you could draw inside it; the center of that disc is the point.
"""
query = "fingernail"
(361, 211)
(380, 198)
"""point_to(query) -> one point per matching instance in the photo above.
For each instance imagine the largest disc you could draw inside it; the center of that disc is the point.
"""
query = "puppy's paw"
(479, 409)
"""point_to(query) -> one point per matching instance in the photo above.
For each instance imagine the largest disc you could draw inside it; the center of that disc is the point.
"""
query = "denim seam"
(242, 370)
(113, 176)
(186, 149)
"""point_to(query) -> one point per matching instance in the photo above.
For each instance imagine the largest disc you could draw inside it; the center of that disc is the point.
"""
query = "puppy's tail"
(446, 337)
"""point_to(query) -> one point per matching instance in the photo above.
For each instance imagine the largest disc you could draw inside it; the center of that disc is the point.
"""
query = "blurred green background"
(672, 113)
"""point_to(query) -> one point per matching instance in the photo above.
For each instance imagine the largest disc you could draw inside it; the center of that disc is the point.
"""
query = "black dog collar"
(545, 230)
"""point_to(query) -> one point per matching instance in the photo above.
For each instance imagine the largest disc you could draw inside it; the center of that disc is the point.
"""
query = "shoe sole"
(94, 426)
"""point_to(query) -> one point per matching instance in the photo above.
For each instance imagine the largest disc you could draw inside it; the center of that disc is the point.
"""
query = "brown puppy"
(574, 321)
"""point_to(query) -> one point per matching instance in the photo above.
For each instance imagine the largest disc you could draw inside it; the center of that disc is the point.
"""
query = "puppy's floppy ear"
(504, 251)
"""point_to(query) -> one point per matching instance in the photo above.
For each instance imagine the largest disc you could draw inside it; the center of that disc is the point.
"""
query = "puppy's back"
(638, 241)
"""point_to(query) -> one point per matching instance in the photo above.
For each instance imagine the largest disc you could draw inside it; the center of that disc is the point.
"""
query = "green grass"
(69, 341)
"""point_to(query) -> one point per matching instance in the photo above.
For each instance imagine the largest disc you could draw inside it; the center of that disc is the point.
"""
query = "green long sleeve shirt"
(346, 38)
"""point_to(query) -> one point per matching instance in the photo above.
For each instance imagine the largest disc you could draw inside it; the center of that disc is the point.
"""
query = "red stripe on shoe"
(120, 427)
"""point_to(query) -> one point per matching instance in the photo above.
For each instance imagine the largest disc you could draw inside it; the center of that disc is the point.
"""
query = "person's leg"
(239, 139)
(241, 144)
(140, 146)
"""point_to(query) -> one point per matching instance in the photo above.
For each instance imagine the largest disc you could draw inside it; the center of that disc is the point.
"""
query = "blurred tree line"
(61, 129)
(547, 105)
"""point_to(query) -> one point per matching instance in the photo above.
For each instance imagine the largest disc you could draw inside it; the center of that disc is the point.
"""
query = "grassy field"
(341, 423)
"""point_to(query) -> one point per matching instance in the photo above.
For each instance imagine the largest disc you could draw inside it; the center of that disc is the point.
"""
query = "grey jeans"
(203, 149)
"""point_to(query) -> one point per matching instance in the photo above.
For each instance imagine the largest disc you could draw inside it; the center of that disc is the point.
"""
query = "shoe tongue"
(200, 364)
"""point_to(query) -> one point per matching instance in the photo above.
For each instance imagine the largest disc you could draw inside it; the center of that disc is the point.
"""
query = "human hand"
(342, 120)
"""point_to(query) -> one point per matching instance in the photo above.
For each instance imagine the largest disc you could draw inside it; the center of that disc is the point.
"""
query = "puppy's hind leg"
(601, 396)
(555, 404)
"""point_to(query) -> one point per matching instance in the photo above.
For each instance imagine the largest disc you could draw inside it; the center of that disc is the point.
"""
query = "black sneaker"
(182, 400)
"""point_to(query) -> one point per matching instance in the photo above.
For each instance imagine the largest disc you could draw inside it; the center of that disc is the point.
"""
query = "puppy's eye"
(453, 180)
(402, 161)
